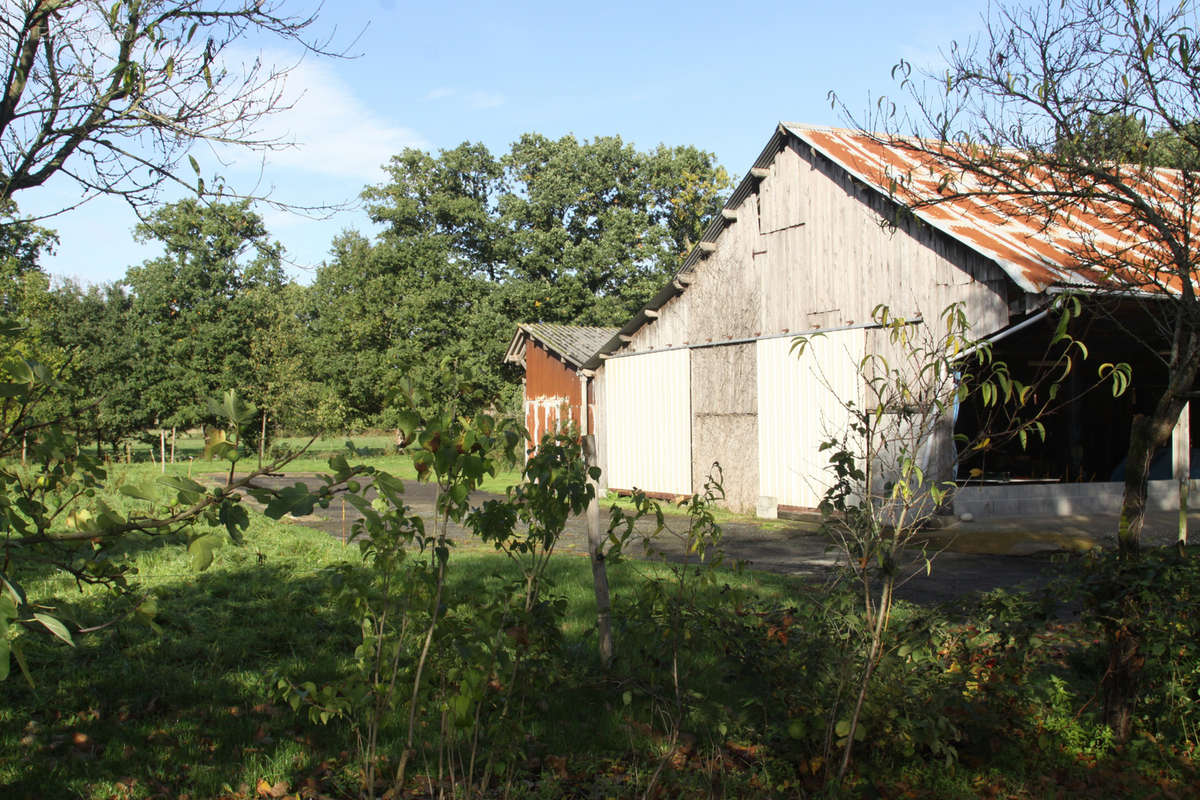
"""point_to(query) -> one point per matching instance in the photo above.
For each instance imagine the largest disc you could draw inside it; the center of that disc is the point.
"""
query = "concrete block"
(767, 507)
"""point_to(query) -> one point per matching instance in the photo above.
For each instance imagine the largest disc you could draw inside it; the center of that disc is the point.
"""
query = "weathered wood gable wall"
(811, 249)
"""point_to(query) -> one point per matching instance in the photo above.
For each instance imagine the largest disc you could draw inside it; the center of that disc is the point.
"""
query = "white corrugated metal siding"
(648, 421)
(799, 406)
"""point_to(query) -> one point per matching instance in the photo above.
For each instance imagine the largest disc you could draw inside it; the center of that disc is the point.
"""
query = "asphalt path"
(781, 547)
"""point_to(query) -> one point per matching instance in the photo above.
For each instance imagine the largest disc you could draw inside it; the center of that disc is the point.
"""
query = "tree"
(400, 309)
(891, 462)
(554, 231)
(114, 95)
(194, 313)
(98, 399)
(281, 357)
(1064, 110)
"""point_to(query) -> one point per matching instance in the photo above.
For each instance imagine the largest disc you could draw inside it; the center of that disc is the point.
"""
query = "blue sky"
(715, 75)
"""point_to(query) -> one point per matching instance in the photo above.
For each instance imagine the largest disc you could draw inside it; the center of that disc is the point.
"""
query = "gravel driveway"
(795, 548)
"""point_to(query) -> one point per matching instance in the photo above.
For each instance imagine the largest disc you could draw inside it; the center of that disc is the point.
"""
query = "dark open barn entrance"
(1087, 438)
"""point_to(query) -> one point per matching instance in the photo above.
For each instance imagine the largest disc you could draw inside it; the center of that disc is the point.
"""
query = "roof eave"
(714, 230)
(516, 348)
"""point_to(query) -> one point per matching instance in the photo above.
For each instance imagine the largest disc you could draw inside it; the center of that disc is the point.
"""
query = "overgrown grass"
(996, 699)
(189, 708)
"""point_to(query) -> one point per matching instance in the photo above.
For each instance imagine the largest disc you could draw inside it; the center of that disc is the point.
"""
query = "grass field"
(375, 449)
(187, 707)
(188, 710)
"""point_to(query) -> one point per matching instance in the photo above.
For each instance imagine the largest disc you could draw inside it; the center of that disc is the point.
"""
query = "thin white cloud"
(485, 99)
(333, 132)
(440, 93)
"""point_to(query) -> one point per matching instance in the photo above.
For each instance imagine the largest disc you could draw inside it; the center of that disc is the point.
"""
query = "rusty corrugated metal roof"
(1083, 247)
(1035, 256)
(575, 343)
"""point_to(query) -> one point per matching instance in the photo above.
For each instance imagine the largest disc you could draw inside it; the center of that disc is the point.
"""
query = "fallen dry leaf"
(265, 789)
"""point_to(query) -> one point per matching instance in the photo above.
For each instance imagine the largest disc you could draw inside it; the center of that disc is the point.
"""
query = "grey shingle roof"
(575, 343)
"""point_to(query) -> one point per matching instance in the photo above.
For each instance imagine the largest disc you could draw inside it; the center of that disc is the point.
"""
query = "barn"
(558, 391)
(810, 241)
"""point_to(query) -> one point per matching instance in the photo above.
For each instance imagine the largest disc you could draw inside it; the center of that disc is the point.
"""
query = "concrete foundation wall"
(1061, 498)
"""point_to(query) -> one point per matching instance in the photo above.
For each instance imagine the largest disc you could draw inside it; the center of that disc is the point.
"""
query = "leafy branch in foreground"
(893, 464)
(55, 510)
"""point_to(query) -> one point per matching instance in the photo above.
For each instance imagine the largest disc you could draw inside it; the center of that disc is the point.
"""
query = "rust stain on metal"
(1089, 244)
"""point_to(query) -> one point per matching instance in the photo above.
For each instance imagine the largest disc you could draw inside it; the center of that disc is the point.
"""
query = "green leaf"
(201, 551)
(796, 729)
(55, 626)
(139, 491)
(842, 728)
(146, 611)
(235, 518)
(181, 483)
(19, 655)
(217, 445)
(407, 422)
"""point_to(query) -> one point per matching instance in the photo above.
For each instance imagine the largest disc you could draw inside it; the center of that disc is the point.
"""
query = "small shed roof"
(575, 344)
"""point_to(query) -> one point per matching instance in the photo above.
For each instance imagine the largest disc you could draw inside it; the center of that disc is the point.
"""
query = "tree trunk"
(599, 568)
(162, 449)
(1146, 435)
(172, 444)
(1121, 679)
(1133, 503)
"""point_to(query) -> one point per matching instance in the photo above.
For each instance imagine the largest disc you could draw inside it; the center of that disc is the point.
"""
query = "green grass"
(374, 450)
(189, 708)
(378, 450)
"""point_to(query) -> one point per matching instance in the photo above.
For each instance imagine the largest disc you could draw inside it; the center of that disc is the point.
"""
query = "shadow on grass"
(190, 709)
(185, 710)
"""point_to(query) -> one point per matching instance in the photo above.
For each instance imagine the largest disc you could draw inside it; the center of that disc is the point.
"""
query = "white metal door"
(648, 421)
(799, 407)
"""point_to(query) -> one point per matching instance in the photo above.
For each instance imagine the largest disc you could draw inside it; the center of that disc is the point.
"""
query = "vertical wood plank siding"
(798, 408)
(811, 248)
(648, 421)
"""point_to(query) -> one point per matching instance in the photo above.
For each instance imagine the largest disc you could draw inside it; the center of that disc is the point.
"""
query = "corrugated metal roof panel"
(575, 343)
(1011, 230)
(1014, 236)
